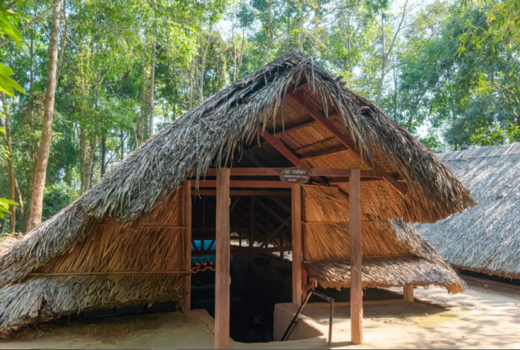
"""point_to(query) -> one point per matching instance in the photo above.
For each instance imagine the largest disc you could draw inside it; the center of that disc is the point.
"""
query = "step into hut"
(128, 240)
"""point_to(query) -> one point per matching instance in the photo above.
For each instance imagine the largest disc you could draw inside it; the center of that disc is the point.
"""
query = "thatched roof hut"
(122, 242)
(485, 238)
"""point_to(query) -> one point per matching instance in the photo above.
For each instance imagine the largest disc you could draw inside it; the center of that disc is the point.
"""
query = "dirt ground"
(486, 316)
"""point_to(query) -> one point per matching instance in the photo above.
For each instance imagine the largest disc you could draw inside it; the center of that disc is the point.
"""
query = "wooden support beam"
(408, 293)
(246, 251)
(222, 277)
(280, 147)
(245, 193)
(356, 283)
(186, 222)
(246, 184)
(344, 139)
(271, 212)
(296, 218)
(275, 232)
(275, 172)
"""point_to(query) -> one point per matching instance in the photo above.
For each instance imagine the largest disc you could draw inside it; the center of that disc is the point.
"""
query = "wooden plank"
(186, 222)
(296, 218)
(266, 171)
(246, 251)
(245, 193)
(246, 184)
(96, 273)
(356, 288)
(344, 139)
(222, 277)
(280, 147)
(408, 293)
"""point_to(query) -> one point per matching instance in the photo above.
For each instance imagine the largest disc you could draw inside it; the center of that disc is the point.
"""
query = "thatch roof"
(6, 242)
(221, 131)
(394, 253)
(485, 238)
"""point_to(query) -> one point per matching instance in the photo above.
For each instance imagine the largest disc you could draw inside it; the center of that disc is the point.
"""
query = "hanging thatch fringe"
(403, 256)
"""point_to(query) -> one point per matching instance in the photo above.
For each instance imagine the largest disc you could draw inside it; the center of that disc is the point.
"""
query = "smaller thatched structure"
(485, 238)
(394, 253)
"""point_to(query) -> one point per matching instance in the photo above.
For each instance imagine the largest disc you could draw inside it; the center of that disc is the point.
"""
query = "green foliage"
(56, 197)
(4, 206)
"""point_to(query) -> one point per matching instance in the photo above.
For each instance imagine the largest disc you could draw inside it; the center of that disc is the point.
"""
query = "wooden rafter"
(343, 138)
(287, 222)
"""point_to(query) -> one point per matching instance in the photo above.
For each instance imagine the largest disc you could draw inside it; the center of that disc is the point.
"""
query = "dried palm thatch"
(394, 253)
(215, 134)
(116, 266)
(485, 238)
(6, 242)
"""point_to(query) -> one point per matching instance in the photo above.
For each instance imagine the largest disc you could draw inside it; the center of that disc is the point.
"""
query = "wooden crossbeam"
(344, 139)
(246, 184)
(280, 147)
(245, 193)
(271, 212)
(266, 241)
(265, 171)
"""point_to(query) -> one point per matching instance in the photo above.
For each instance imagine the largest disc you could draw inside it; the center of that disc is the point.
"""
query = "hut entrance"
(260, 266)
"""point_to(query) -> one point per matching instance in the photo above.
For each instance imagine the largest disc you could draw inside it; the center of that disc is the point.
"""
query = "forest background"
(91, 80)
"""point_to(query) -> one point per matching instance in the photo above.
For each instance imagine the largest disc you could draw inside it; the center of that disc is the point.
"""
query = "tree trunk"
(10, 163)
(103, 156)
(63, 41)
(48, 115)
(152, 88)
(270, 28)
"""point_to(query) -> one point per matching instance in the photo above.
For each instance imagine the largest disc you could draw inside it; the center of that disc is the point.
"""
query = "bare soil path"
(486, 316)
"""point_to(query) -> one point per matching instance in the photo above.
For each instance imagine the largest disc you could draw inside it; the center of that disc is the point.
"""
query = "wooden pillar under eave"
(296, 219)
(186, 223)
(356, 283)
(408, 293)
(223, 254)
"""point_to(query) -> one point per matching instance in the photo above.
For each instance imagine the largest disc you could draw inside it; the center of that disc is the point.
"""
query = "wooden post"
(296, 218)
(223, 253)
(186, 222)
(356, 283)
(408, 293)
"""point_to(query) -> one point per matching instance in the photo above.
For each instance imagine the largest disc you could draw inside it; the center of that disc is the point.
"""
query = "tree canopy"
(125, 68)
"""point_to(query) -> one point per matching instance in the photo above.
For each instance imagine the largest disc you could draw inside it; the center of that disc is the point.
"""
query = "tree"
(48, 115)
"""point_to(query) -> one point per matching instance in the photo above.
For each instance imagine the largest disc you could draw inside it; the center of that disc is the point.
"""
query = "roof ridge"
(482, 152)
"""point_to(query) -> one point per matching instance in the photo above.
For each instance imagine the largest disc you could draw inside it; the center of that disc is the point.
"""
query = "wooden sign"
(295, 175)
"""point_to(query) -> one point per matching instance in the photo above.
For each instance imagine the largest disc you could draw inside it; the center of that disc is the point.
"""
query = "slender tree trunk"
(31, 69)
(63, 41)
(19, 197)
(152, 90)
(301, 27)
(10, 163)
(48, 115)
(383, 63)
(270, 28)
(103, 156)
